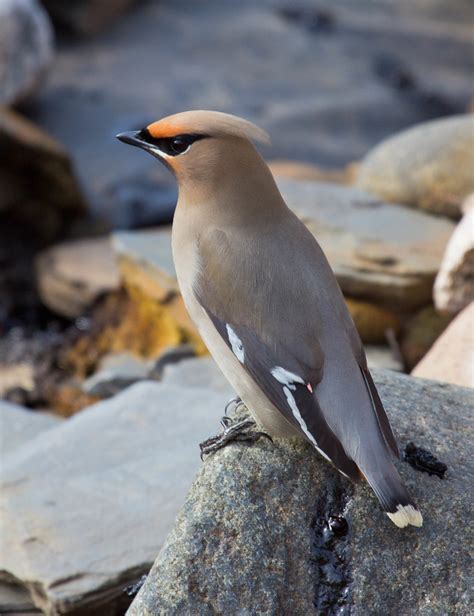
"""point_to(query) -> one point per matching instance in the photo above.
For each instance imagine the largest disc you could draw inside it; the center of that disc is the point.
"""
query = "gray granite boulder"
(428, 166)
(273, 529)
(86, 506)
(26, 49)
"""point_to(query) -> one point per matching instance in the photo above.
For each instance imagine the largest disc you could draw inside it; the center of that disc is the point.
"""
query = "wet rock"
(380, 252)
(305, 541)
(72, 275)
(50, 200)
(372, 321)
(420, 333)
(424, 461)
(26, 49)
(86, 17)
(427, 167)
(451, 358)
(116, 372)
(454, 284)
(19, 425)
(91, 501)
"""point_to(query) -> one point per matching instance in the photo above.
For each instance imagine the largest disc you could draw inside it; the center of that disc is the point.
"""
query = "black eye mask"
(172, 146)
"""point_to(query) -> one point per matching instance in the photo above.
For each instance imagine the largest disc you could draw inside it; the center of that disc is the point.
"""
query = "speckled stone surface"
(254, 536)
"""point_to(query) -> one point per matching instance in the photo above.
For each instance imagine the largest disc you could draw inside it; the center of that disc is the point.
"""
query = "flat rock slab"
(197, 372)
(90, 502)
(379, 251)
(261, 530)
(382, 252)
(71, 275)
(18, 425)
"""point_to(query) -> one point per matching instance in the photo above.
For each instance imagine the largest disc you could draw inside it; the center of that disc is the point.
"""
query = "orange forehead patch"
(164, 128)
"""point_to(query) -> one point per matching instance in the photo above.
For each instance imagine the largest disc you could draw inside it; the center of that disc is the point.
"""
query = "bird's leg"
(233, 432)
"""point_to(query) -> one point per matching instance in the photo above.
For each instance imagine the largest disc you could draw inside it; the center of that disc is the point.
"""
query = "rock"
(380, 252)
(197, 372)
(419, 334)
(39, 189)
(72, 275)
(283, 533)
(116, 372)
(91, 501)
(145, 261)
(86, 17)
(26, 49)
(170, 357)
(451, 358)
(295, 170)
(372, 321)
(382, 357)
(16, 375)
(15, 601)
(19, 425)
(308, 112)
(427, 167)
(148, 274)
(454, 284)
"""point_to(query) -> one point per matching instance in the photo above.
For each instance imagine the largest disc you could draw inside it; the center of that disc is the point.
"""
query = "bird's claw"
(236, 402)
(233, 432)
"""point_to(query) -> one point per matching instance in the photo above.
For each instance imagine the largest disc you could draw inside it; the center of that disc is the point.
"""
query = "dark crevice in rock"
(331, 551)
(133, 589)
(423, 460)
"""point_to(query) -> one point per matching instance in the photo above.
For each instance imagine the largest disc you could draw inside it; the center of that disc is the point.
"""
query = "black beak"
(132, 138)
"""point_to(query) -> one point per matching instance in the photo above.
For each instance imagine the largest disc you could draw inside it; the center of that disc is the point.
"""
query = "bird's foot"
(233, 432)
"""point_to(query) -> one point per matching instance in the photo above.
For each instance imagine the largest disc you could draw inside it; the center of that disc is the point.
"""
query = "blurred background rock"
(369, 106)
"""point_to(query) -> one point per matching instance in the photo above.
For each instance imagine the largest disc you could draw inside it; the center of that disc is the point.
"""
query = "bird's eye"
(172, 146)
(178, 145)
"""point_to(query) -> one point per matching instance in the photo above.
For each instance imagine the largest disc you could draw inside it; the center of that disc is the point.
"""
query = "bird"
(267, 304)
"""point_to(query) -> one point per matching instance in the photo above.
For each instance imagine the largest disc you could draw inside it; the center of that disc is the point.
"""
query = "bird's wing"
(289, 384)
(285, 360)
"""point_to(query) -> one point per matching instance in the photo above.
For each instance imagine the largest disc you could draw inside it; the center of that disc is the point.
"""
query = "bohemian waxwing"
(267, 304)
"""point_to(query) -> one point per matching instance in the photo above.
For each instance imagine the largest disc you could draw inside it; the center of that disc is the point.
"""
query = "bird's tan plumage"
(267, 304)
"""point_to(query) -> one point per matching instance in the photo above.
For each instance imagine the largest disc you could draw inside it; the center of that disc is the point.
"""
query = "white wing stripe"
(294, 409)
(236, 344)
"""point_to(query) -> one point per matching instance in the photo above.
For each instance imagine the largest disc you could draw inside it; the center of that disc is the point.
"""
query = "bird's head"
(198, 145)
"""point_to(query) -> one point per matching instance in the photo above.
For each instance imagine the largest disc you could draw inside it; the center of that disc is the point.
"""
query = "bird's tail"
(393, 496)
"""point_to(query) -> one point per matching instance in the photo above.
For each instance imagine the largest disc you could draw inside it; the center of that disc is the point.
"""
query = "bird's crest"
(211, 123)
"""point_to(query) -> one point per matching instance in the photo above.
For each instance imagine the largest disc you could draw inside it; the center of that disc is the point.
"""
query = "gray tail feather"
(393, 496)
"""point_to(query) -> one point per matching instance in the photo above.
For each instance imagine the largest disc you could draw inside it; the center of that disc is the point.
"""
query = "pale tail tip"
(405, 515)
